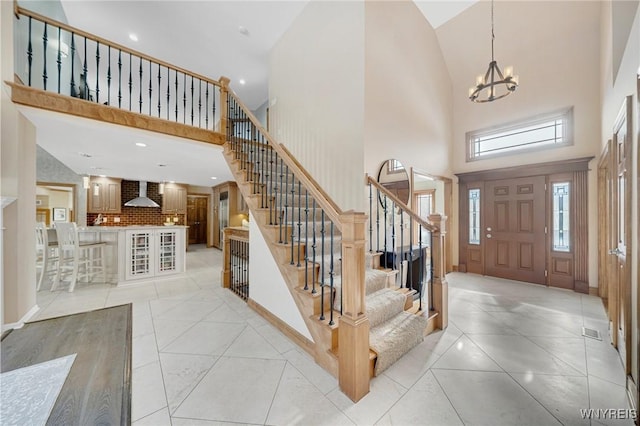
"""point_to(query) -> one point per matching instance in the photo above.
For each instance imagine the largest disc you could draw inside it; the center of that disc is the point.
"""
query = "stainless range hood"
(142, 200)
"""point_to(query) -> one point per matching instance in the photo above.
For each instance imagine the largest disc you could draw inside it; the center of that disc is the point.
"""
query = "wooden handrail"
(25, 12)
(428, 226)
(330, 208)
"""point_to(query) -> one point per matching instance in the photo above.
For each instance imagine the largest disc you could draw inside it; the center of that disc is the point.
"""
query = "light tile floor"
(512, 354)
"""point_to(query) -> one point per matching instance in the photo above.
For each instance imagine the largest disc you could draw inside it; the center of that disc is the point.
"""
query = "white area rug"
(28, 394)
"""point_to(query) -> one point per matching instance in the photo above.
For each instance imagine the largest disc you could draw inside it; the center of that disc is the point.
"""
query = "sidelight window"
(474, 216)
(561, 229)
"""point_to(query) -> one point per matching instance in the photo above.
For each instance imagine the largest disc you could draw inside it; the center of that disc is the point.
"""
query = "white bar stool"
(46, 256)
(78, 260)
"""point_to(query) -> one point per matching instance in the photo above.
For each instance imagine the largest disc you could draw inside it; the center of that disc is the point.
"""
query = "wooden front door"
(197, 219)
(514, 229)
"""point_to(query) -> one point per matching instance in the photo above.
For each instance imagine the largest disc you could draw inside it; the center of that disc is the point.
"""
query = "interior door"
(201, 215)
(514, 229)
(192, 220)
(622, 214)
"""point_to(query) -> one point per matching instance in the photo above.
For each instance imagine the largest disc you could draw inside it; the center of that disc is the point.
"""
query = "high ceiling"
(212, 38)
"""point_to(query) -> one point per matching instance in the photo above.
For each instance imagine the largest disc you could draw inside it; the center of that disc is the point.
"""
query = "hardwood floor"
(98, 388)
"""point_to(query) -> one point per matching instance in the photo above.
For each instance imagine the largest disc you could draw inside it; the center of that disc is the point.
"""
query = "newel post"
(224, 105)
(225, 277)
(439, 282)
(353, 343)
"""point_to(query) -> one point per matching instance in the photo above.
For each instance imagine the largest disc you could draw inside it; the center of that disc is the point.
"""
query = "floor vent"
(591, 333)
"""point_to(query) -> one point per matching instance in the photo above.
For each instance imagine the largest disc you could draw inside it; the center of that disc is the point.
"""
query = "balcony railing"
(58, 58)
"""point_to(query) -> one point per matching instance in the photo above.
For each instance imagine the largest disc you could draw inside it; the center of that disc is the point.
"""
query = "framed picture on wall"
(59, 214)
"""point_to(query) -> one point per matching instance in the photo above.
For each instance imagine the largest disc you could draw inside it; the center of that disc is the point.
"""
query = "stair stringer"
(323, 336)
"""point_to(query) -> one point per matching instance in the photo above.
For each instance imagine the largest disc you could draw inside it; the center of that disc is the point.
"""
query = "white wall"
(316, 92)
(614, 90)
(408, 108)
(268, 287)
(550, 45)
(18, 179)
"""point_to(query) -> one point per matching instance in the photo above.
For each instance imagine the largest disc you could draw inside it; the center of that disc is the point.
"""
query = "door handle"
(616, 251)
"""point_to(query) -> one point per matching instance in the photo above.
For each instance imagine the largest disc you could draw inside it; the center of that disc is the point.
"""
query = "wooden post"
(225, 277)
(224, 104)
(353, 342)
(439, 282)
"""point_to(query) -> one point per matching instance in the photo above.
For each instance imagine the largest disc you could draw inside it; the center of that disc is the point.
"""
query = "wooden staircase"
(320, 252)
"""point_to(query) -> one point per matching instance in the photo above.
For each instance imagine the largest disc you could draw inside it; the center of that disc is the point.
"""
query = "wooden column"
(439, 282)
(224, 104)
(225, 277)
(353, 344)
(581, 227)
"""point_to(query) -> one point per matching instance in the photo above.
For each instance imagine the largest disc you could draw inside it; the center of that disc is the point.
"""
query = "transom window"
(540, 132)
(394, 166)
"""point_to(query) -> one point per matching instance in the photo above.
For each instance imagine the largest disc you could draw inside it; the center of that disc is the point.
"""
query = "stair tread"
(383, 305)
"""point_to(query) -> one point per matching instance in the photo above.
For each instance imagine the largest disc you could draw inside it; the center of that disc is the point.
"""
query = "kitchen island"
(136, 254)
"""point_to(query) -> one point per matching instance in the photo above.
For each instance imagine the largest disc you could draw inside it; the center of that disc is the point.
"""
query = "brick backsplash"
(137, 215)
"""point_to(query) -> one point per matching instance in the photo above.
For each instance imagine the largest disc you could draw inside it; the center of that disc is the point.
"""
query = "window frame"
(564, 114)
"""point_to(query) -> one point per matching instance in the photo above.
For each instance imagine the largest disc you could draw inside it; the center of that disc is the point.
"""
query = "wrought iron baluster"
(370, 221)
(140, 83)
(270, 180)
(59, 60)
(285, 190)
(168, 91)
(44, 69)
(159, 86)
(280, 204)
(263, 172)
(331, 273)
(386, 247)
(73, 55)
(176, 96)
(306, 236)
(84, 70)
(213, 103)
(321, 281)
(130, 81)
(299, 222)
(402, 267)
(206, 105)
(150, 86)
(377, 221)
(192, 100)
(313, 247)
(410, 271)
(393, 235)
(199, 103)
(97, 71)
(119, 78)
(30, 54)
(109, 75)
(184, 99)
(421, 262)
(293, 214)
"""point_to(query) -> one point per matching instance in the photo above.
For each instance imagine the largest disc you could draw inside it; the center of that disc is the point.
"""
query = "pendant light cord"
(493, 36)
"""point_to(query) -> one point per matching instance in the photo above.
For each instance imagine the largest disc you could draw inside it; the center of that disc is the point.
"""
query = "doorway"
(526, 223)
(55, 202)
(197, 207)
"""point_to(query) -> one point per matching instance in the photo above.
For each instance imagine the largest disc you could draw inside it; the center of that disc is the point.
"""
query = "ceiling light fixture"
(141, 144)
(495, 84)
(133, 37)
(161, 188)
(242, 82)
(85, 182)
(243, 30)
(213, 177)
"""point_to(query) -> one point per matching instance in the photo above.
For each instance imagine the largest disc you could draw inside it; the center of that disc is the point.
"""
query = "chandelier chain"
(493, 36)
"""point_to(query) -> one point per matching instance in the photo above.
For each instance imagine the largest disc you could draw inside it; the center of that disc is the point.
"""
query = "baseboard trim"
(285, 328)
(23, 320)
(454, 268)
(632, 393)
(581, 287)
(593, 291)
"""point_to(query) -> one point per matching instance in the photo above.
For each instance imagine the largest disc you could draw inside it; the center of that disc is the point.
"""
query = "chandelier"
(493, 84)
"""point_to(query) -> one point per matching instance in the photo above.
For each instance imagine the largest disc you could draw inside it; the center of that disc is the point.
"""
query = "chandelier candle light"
(493, 83)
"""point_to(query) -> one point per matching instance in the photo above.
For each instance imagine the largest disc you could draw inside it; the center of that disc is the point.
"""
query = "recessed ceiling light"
(141, 144)
(243, 30)
(162, 165)
(102, 175)
(133, 37)
(241, 81)
(213, 177)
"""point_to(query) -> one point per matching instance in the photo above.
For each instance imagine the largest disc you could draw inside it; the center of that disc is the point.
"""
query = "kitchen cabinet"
(104, 195)
(174, 199)
(154, 252)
